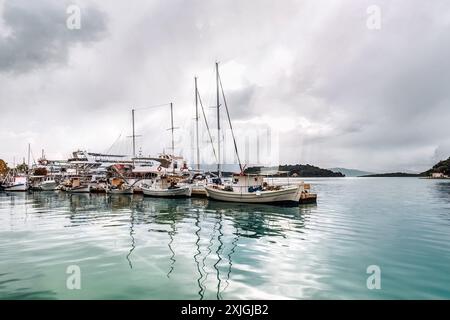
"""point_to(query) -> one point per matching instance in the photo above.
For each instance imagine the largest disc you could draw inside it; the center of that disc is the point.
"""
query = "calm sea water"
(131, 247)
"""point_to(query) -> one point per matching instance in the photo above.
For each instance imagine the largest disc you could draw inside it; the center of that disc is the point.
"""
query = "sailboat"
(246, 188)
(167, 184)
(199, 179)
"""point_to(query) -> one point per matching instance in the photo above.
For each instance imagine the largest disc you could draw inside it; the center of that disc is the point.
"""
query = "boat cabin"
(246, 181)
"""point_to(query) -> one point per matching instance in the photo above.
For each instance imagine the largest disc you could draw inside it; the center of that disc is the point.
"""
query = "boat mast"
(196, 124)
(219, 172)
(134, 135)
(172, 128)
(28, 163)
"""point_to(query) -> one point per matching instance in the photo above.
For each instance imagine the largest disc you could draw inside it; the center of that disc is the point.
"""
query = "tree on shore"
(3, 168)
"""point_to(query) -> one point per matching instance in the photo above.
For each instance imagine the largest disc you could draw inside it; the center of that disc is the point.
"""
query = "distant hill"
(297, 170)
(440, 167)
(351, 172)
(391, 175)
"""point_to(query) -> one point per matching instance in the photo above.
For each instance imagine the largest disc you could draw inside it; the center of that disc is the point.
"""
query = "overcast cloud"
(337, 92)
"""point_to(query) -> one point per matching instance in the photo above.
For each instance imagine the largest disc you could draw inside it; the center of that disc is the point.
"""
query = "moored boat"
(167, 188)
(19, 184)
(15, 182)
(183, 191)
(252, 189)
(78, 186)
(49, 184)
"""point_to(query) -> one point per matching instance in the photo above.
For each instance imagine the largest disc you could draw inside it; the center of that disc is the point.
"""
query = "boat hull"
(125, 191)
(180, 192)
(48, 186)
(83, 189)
(198, 191)
(289, 195)
(16, 188)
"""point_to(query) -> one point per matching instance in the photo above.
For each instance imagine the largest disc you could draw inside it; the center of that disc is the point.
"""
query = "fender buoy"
(159, 168)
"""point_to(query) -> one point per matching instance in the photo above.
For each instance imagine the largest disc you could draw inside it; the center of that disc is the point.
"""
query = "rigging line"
(231, 126)
(207, 125)
(154, 106)
(107, 151)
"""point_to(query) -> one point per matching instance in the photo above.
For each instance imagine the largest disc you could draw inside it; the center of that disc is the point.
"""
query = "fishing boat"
(182, 191)
(78, 186)
(167, 188)
(121, 190)
(15, 182)
(245, 188)
(252, 189)
(119, 186)
(48, 184)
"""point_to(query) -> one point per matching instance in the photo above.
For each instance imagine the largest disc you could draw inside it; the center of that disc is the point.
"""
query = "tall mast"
(134, 135)
(219, 172)
(28, 163)
(171, 127)
(196, 124)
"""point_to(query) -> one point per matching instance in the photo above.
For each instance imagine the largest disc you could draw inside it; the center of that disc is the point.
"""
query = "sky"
(355, 84)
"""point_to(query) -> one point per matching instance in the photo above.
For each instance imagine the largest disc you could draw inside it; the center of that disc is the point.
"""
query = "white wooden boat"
(252, 189)
(124, 189)
(80, 189)
(20, 187)
(16, 184)
(48, 185)
(155, 191)
(288, 194)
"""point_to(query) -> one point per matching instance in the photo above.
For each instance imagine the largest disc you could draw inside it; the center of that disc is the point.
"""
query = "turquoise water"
(130, 247)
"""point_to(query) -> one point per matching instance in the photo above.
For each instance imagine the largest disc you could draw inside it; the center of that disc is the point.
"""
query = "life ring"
(159, 168)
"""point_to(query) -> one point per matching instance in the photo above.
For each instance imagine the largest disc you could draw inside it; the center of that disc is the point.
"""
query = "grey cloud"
(379, 98)
(38, 34)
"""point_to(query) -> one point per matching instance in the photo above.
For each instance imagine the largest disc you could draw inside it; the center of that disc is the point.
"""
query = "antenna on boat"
(219, 171)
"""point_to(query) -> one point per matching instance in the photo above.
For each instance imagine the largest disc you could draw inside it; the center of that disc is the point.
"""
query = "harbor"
(166, 175)
(224, 154)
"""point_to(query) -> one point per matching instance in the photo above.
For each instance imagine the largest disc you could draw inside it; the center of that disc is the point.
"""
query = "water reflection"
(443, 190)
(215, 228)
